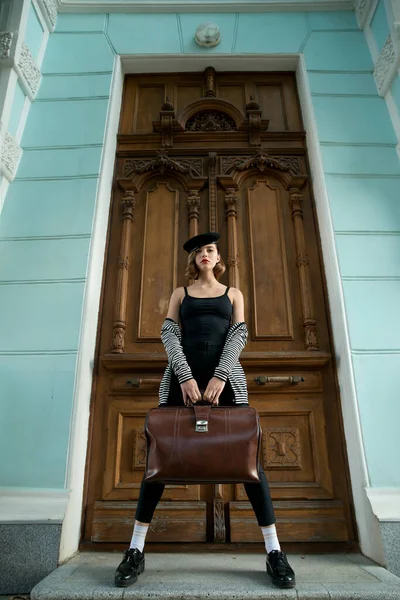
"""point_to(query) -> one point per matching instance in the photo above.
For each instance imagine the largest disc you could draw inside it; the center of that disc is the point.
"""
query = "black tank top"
(205, 319)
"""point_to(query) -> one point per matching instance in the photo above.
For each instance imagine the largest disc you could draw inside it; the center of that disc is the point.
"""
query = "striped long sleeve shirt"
(228, 368)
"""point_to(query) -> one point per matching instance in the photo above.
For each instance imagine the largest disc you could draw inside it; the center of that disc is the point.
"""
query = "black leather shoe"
(279, 569)
(131, 566)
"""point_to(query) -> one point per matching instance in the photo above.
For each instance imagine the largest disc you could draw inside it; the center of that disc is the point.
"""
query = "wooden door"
(223, 152)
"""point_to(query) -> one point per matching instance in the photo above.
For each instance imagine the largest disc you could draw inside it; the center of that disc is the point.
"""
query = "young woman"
(203, 364)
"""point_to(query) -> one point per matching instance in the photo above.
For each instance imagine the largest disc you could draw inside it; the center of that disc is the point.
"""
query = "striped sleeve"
(171, 338)
(235, 341)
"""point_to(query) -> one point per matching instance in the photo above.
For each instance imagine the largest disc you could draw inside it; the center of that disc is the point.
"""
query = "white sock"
(270, 538)
(139, 537)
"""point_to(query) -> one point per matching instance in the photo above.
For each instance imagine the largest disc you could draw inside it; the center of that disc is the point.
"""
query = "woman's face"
(207, 257)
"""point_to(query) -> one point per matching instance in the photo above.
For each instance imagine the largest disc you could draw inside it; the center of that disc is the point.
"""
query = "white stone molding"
(5, 43)
(395, 5)
(363, 10)
(29, 71)
(385, 503)
(386, 66)
(10, 154)
(48, 9)
(32, 506)
(201, 6)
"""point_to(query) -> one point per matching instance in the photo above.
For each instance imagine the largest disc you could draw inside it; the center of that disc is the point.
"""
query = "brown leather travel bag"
(202, 444)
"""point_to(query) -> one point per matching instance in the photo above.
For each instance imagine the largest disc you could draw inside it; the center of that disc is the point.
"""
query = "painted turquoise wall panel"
(69, 123)
(360, 160)
(376, 403)
(337, 51)
(342, 83)
(353, 120)
(48, 316)
(345, 19)
(35, 413)
(395, 89)
(144, 34)
(82, 22)
(364, 204)
(369, 255)
(16, 110)
(375, 323)
(74, 162)
(43, 259)
(380, 25)
(74, 86)
(271, 32)
(189, 23)
(77, 53)
(48, 208)
(34, 32)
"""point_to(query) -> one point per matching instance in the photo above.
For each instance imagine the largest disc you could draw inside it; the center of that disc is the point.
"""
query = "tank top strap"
(185, 288)
(226, 291)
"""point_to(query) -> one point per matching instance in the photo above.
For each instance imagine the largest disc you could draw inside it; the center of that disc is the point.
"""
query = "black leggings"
(202, 358)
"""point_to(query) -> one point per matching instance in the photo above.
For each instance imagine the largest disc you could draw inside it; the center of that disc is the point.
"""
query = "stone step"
(227, 576)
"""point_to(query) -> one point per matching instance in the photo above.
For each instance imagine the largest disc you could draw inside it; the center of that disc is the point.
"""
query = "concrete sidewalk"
(89, 576)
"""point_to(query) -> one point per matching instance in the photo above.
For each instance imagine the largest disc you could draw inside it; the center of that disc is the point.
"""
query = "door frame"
(367, 523)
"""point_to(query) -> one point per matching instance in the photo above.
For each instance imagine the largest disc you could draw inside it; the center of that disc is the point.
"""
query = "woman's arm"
(238, 306)
(175, 304)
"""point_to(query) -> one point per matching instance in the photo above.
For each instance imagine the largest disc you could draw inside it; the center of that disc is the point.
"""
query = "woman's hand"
(190, 392)
(214, 390)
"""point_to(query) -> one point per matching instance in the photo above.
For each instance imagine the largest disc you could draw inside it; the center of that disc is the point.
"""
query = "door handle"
(291, 380)
(137, 382)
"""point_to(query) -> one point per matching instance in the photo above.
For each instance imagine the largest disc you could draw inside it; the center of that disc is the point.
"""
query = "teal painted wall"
(45, 228)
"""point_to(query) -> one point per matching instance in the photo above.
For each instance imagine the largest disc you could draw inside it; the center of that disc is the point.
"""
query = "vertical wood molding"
(212, 187)
(231, 202)
(219, 521)
(118, 338)
(309, 323)
(193, 204)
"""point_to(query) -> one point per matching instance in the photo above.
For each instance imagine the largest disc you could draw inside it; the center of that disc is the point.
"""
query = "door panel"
(226, 152)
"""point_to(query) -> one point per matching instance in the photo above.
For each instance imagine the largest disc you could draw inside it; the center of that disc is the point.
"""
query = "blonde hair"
(192, 270)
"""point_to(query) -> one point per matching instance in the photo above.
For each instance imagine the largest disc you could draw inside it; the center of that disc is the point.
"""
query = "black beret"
(203, 239)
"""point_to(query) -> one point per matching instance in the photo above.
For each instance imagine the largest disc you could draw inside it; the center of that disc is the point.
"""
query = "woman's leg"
(278, 567)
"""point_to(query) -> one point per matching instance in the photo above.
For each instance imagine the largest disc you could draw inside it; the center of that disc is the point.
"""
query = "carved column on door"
(309, 323)
(119, 326)
(210, 82)
(219, 514)
(193, 204)
(212, 191)
(233, 256)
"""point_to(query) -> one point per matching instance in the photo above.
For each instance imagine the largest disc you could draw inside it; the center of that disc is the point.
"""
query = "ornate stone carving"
(10, 154)
(211, 120)
(210, 82)
(281, 448)
(128, 205)
(260, 161)
(29, 69)
(385, 67)
(51, 10)
(162, 163)
(5, 43)
(361, 8)
(139, 450)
